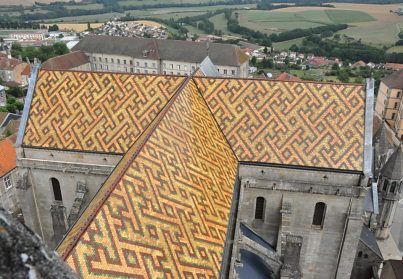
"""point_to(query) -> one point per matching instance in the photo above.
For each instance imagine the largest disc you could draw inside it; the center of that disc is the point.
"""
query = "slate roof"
(289, 123)
(368, 238)
(66, 62)
(8, 157)
(393, 169)
(394, 80)
(192, 52)
(178, 179)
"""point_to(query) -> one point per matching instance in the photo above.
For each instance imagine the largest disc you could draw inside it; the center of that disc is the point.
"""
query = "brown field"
(77, 27)
(149, 23)
(382, 31)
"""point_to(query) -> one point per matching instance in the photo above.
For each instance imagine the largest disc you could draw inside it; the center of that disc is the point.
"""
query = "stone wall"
(36, 167)
(326, 250)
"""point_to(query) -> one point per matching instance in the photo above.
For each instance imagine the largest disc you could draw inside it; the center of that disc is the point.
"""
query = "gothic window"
(56, 189)
(393, 187)
(360, 254)
(319, 214)
(259, 210)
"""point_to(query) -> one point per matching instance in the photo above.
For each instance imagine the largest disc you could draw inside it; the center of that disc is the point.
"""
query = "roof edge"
(307, 168)
(27, 105)
(368, 127)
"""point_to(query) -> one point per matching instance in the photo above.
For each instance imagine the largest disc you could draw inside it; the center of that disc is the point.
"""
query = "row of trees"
(43, 53)
(345, 48)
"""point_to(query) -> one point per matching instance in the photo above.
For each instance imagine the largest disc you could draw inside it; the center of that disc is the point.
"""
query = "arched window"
(259, 210)
(319, 214)
(360, 254)
(56, 189)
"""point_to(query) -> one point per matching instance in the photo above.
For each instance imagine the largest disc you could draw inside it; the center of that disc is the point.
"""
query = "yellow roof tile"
(164, 211)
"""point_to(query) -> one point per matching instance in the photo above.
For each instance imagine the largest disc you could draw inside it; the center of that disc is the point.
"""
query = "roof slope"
(192, 52)
(394, 80)
(293, 123)
(8, 156)
(66, 61)
(178, 180)
(90, 111)
(393, 169)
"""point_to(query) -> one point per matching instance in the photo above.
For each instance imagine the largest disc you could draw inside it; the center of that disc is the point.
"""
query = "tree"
(53, 28)
(343, 76)
(253, 61)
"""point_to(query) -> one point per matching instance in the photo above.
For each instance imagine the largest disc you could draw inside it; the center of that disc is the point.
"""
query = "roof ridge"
(65, 247)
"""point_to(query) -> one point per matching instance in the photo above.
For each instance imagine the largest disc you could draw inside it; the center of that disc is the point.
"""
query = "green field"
(287, 44)
(395, 49)
(274, 21)
(345, 16)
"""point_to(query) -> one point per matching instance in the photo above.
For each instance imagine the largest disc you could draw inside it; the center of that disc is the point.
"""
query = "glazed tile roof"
(8, 157)
(292, 123)
(91, 111)
(164, 211)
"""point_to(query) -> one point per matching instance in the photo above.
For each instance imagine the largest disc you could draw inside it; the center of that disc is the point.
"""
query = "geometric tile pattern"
(293, 123)
(166, 206)
(90, 111)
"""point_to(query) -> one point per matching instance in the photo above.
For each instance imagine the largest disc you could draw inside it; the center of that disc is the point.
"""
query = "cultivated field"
(383, 30)
(77, 27)
(282, 20)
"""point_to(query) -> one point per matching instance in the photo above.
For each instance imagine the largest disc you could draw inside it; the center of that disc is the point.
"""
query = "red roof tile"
(7, 155)
(394, 66)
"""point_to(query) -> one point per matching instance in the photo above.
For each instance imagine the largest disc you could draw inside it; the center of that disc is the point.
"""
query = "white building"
(152, 56)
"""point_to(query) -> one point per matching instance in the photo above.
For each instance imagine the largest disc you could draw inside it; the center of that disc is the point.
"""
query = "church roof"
(91, 111)
(164, 211)
(290, 123)
(304, 124)
(182, 139)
